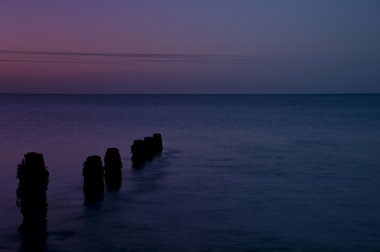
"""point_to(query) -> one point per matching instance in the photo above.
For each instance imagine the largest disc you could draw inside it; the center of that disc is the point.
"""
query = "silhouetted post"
(31, 193)
(93, 174)
(149, 148)
(112, 167)
(157, 143)
(138, 153)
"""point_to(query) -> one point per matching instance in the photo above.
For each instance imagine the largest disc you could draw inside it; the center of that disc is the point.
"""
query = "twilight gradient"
(171, 46)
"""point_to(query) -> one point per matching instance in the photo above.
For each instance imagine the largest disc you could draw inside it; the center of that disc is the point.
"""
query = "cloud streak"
(123, 55)
(117, 58)
(120, 58)
(58, 61)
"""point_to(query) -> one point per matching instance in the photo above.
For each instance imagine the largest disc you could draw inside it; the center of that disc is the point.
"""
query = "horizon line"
(302, 93)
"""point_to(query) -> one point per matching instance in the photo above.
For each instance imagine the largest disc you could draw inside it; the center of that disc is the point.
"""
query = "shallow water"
(238, 172)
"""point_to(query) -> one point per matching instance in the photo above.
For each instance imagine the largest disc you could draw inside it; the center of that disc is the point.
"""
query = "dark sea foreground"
(238, 172)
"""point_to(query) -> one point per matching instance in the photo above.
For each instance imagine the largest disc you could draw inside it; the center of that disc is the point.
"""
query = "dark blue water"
(238, 172)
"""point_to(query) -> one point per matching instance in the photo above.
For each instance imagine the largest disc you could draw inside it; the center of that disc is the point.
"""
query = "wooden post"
(93, 174)
(149, 148)
(112, 167)
(31, 193)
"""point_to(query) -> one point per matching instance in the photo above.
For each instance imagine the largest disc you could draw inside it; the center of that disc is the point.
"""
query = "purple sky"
(197, 46)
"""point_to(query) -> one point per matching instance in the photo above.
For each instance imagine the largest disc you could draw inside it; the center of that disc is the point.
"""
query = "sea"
(237, 172)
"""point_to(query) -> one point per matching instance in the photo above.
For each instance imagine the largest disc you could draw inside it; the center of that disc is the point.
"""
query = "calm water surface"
(238, 172)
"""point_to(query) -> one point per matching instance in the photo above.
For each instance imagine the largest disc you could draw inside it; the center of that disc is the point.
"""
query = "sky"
(194, 46)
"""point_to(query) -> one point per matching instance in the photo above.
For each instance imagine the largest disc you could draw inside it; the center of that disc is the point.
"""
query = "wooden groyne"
(34, 178)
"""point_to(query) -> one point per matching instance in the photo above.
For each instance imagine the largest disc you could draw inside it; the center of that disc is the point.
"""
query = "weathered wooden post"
(149, 148)
(93, 174)
(31, 193)
(138, 153)
(112, 167)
